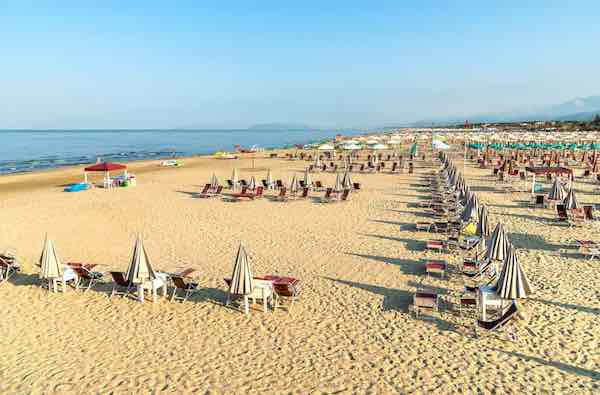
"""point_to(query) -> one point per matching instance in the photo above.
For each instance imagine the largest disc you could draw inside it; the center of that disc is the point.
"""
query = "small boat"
(171, 163)
(224, 155)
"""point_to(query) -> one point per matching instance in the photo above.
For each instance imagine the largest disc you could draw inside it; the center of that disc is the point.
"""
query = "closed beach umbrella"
(347, 181)
(338, 183)
(470, 211)
(214, 181)
(318, 160)
(241, 279)
(293, 184)
(140, 270)
(49, 261)
(570, 201)
(252, 183)
(557, 192)
(498, 245)
(512, 281)
(269, 178)
(414, 149)
(234, 177)
(483, 225)
(307, 179)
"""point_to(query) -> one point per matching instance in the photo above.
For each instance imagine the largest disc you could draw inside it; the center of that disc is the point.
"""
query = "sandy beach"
(351, 331)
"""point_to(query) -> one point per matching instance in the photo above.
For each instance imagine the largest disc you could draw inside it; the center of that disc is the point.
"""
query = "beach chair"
(561, 213)
(356, 186)
(230, 184)
(278, 184)
(9, 265)
(438, 267)
(345, 196)
(259, 192)
(304, 194)
(120, 284)
(498, 323)
(425, 301)
(262, 290)
(85, 275)
(435, 245)
(282, 197)
(538, 201)
(302, 184)
(205, 189)
(589, 213)
(318, 186)
(423, 226)
(576, 217)
(265, 184)
(179, 284)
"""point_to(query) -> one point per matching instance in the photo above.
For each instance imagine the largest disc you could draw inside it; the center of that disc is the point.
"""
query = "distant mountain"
(281, 126)
(578, 109)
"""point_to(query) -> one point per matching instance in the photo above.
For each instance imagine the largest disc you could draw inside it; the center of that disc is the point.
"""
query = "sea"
(36, 150)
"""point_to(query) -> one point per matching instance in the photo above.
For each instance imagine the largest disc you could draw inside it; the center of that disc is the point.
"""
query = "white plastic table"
(488, 297)
(67, 275)
(160, 282)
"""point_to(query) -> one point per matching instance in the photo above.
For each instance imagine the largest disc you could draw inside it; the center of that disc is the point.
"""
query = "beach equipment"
(234, 178)
(326, 147)
(347, 181)
(470, 211)
(512, 282)
(252, 183)
(214, 182)
(557, 192)
(140, 270)
(498, 245)
(570, 201)
(307, 179)
(510, 312)
(293, 188)
(105, 167)
(414, 150)
(440, 145)
(338, 183)
(269, 179)
(241, 279)
(120, 284)
(483, 226)
(51, 267)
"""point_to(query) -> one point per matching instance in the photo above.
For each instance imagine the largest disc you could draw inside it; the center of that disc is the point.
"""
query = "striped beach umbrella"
(557, 192)
(570, 201)
(483, 225)
(241, 278)
(293, 184)
(50, 264)
(140, 270)
(498, 245)
(512, 282)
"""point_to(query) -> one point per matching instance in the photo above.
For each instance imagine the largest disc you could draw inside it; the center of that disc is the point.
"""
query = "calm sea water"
(31, 150)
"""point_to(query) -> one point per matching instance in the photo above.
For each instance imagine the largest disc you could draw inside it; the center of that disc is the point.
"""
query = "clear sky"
(161, 64)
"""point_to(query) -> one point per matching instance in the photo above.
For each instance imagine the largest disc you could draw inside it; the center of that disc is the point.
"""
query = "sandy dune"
(360, 263)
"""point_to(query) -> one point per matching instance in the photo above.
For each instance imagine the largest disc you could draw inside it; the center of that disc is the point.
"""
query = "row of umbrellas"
(512, 283)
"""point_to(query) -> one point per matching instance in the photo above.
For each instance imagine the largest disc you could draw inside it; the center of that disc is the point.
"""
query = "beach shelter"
(483, 225)
(512, 282)
(270, 179)
(234, 178)
(51, 267)
(498, 245)
(307, 179)
(214, 181)
(570, 201)
(241, 279)
(105, 167)
(338, 183)
(557, 192)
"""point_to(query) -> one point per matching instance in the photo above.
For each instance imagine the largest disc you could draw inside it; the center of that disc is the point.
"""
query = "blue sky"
(332, 64)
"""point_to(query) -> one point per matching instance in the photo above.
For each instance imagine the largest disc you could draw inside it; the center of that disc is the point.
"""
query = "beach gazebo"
(105, 167)
(51, 267)
(140, 270)
(241, 279)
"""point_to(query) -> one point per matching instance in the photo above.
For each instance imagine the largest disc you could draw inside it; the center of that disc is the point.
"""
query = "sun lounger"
(436, 267)
(591, 251)
(356, 186)
(8, 266)
(85, 275)
(250, 196)
(304, 194)
(212, 194)
(425, 301)
(282, 197)
(120, 284)
(179, 284)
(561, 213)
(327, 198)
(423, 226)
(435, 245)
(506, 316)
(262, 290)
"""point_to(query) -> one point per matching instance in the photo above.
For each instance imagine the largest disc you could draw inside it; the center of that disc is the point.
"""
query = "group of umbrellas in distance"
(512, 282)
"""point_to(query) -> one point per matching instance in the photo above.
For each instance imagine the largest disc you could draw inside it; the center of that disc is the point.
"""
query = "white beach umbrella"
(214, 181)
(338, 183)
(293, 184)
(269, 178)
(326, 147)
(307, 179)
(379, 146)
(512, 282)
(570, 201)
(140, 270)
(252, 183)
(498, 245)
(50, 264)
(347, 181)
(234, 177)
(241, 278)
(558, 191)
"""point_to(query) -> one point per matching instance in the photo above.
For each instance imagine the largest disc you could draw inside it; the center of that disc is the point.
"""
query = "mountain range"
(578, 109)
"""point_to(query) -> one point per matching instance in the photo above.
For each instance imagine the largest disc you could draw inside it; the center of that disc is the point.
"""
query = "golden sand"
(359, 262)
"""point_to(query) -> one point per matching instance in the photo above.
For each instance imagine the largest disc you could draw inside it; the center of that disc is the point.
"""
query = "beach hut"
(557, 192)
(51, 267)
(106, 168)
(570, 201)
(512, 282)
(498, 245)
(483, 226)
(241, 279)
(140, 271)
